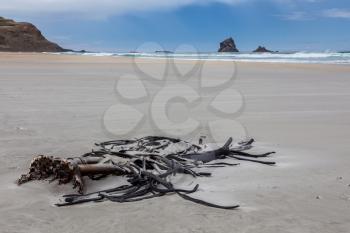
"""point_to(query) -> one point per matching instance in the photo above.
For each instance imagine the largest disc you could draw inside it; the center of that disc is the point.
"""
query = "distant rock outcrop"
(163, 51)
(262, 49)
(24, 37)
(228, 45)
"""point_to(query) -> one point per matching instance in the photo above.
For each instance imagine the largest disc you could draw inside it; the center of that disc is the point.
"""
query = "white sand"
(54, 105)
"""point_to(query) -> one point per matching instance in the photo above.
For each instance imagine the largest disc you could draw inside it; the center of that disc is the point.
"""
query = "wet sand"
(54, 104)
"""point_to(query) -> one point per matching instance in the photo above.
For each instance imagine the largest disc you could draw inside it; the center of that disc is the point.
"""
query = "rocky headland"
(24, 37)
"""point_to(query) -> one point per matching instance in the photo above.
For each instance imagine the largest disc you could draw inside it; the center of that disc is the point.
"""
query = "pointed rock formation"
(262, 49)
(228, 45)
(24, 37)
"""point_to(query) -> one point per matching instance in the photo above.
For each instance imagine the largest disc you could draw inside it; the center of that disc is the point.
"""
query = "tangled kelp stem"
(147, 163)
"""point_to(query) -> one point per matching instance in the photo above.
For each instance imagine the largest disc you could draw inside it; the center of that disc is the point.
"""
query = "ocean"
(296, 57)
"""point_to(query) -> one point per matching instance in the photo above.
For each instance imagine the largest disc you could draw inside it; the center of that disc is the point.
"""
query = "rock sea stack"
(228, 46)
(262, 49)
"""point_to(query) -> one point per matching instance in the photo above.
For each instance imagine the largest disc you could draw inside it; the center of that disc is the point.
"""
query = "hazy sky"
(124, 25)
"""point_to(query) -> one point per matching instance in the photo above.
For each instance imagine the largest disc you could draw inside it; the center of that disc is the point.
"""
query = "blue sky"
(107, 25)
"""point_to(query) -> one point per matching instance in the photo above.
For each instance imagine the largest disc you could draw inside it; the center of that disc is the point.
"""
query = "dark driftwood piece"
(147, 162)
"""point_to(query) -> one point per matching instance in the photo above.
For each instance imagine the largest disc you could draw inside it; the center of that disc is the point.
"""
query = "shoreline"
(179, 58)
(125, 59)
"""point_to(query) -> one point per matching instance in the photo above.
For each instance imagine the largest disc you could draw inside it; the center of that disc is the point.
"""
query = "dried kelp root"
(44, 167)
(68, 170)
(147, 163)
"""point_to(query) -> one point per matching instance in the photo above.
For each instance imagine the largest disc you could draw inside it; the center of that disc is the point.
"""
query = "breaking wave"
(297, 57)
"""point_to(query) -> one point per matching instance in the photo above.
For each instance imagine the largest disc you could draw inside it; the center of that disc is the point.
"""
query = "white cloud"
(296, 16)
(105, 8)
(337, 13)
(96, 8)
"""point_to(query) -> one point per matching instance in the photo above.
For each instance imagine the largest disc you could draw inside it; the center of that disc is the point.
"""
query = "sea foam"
(297, 57)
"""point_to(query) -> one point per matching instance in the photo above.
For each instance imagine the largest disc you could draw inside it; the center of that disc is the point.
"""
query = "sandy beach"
(54, 105)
